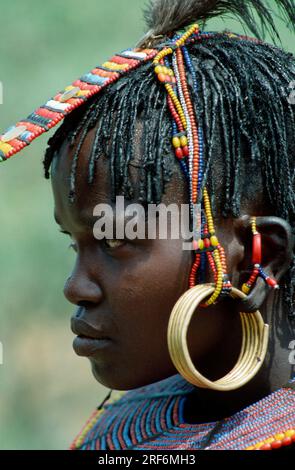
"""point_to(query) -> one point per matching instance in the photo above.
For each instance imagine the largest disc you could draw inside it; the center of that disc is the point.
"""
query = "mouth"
(89, 340)
(87, 347)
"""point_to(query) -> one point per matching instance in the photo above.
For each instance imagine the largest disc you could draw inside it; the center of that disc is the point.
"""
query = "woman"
(225, 102)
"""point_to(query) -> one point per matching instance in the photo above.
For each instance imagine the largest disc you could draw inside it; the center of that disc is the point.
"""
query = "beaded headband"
(172, 66)
(64, 102)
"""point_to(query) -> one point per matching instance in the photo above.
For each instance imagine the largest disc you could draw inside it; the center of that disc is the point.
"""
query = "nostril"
(85, 304)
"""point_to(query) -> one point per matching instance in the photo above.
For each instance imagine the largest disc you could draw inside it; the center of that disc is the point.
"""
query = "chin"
(114, 378)
(110, 377)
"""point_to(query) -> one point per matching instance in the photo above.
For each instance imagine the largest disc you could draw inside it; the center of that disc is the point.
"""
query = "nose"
(81, 290)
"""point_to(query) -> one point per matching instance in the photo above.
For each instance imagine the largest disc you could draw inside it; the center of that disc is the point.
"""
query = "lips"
(89, 347)
(82, 328)
(89, 340)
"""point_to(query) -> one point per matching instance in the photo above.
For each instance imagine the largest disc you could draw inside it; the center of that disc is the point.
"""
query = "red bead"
(276, 444)
(162, 77)
(271, 282)
(179, 153)
(286, 441)
(207, 242)
(256, 255)
(265, 447)
(195, 245)
(185, 151)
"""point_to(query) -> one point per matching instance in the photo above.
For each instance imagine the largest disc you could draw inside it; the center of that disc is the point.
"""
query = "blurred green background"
(46, 392)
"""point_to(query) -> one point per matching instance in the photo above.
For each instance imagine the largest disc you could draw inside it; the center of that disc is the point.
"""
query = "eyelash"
(105, 241)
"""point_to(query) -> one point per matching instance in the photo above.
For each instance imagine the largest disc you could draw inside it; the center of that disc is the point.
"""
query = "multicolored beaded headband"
(172, 64)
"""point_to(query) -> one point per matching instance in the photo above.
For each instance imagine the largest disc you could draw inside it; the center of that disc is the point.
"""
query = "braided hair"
(242, 102)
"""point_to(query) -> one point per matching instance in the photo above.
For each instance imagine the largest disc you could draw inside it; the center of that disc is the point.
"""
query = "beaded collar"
(152, 418)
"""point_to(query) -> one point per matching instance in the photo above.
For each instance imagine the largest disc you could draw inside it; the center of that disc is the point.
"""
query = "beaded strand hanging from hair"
(187, 140)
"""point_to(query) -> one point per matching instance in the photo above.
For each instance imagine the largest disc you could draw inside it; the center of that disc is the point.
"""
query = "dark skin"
(129, 288)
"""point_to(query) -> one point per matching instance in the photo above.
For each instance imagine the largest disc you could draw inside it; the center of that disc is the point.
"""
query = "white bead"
(134, 55)
(13, 133)
(56, 105)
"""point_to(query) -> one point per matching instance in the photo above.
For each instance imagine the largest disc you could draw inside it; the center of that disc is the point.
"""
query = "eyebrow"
(90, 221)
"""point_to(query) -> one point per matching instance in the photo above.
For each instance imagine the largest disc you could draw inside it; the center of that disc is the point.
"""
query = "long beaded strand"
(188, 143)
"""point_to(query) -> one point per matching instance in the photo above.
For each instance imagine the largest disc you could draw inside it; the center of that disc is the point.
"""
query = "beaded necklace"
(152, 417)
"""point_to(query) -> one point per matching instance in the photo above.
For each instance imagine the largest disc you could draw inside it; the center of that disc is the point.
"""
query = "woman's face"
(123, 290)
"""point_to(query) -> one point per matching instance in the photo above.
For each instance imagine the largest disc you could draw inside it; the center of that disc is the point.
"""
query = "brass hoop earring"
(253, 349)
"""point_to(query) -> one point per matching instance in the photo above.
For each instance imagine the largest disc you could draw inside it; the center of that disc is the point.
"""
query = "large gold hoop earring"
(253, 349)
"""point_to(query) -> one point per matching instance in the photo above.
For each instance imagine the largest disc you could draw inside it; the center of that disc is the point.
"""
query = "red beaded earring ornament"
(256, 260)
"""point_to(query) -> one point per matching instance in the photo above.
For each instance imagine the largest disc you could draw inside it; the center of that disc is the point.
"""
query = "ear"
(277, 245)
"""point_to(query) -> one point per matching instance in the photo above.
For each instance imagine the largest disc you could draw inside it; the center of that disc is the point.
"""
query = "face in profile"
(124, 290)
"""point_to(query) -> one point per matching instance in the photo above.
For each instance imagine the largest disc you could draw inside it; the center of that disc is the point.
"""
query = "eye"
(72, 246)
(64, 232)
(113, 243)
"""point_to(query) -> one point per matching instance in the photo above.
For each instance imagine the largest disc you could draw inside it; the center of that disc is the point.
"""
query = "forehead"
(61, 172)
(99, 191)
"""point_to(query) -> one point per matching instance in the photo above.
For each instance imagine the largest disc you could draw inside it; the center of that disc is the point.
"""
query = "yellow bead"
(250, 448)
(290, 433)
(183, 141)
(280, 436)
(176, 142)
(70, 87)
(258, 445)
(170, 73)
(5, 148)
(201, 244)
(245, 289)
(269, 440)
(68, 94)
(214, 241)
(158, 69)
(83, 92)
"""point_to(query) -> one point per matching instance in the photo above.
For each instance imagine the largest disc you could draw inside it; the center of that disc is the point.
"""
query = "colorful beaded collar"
(71, 97)
(152, 417)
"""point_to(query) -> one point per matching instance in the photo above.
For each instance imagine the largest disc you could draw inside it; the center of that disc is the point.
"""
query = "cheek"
(146, 292)
(141, 299)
